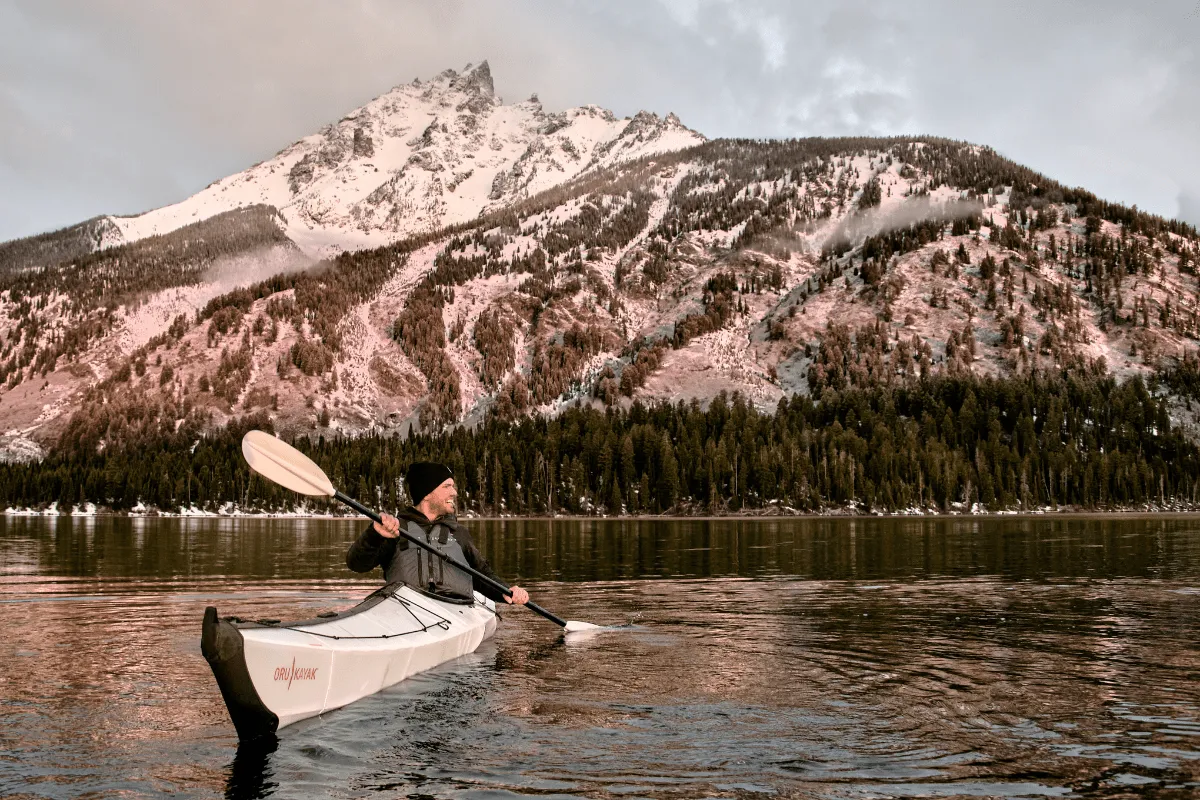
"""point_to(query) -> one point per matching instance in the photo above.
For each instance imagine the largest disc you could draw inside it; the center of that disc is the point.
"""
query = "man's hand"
(389, 528)
(519, 596)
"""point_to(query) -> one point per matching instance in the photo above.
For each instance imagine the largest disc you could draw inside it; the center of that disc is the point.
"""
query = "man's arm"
(367, 552)
(476, 561)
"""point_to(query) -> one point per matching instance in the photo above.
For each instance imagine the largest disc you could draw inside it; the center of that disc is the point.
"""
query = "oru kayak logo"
(291, 673)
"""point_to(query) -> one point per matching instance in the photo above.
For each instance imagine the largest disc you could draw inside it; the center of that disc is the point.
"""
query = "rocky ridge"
(419, 157)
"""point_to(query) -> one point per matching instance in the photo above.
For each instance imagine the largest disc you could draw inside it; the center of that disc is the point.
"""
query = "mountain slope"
(765, 268)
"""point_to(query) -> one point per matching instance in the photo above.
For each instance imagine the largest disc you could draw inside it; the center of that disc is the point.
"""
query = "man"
(431, 519)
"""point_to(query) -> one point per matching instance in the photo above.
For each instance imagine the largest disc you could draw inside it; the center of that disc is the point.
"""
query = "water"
(888, 658)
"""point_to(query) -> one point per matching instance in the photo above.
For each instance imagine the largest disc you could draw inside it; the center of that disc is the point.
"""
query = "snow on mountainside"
(592, 260)
(422, 156)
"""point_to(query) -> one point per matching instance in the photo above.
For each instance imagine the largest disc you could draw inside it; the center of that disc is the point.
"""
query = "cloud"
(123, 105)
(1189, 207)
(854, 228)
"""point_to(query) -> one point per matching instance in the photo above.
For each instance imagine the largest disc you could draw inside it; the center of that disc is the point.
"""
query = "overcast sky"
(119, 106)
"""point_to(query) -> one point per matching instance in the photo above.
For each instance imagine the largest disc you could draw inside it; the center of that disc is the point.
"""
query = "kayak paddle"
(278, 461)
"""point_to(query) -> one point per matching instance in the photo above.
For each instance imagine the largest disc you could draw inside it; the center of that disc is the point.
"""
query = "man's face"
(442, 499)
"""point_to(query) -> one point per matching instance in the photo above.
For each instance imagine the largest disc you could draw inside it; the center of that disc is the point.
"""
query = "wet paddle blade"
(278, 461)
(574, 626)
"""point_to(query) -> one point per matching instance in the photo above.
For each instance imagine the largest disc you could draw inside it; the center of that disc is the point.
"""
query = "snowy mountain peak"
(421, 156)
(478, 80)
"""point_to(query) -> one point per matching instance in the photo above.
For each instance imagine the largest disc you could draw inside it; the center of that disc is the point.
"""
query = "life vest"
(422, 570)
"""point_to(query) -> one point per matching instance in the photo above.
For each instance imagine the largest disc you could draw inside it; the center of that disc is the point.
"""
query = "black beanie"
(423, 477)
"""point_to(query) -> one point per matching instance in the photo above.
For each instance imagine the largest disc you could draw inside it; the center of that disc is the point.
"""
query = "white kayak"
(272, 674)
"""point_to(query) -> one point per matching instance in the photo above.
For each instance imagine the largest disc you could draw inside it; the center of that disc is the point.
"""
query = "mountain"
(505, 261)
(420, 157)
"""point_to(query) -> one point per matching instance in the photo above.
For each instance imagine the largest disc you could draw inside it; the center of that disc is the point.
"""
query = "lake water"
(809, 658)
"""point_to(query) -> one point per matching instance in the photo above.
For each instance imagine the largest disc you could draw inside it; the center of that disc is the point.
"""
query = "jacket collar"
(412, 514)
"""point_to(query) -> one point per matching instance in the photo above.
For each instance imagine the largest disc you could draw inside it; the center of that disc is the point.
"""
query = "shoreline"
(1141, 512)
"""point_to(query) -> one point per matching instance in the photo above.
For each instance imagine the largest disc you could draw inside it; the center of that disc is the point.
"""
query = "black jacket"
(371, 550)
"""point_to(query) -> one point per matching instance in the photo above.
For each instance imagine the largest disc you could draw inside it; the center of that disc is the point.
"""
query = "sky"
(120, 106)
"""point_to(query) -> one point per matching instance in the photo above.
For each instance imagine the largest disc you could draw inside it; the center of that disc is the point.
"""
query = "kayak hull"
(272, 675)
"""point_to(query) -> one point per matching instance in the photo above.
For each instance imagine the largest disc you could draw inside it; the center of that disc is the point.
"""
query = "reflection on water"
(603, 550)
(828, 658)
(251, 774)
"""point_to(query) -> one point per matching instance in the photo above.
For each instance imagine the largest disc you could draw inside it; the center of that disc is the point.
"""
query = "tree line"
(941, 443)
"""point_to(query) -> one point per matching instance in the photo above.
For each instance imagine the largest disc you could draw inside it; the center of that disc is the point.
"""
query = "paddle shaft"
(495, 584)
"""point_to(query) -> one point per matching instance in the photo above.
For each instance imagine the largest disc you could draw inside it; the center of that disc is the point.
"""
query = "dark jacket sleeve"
(476, 561)
(369, 550)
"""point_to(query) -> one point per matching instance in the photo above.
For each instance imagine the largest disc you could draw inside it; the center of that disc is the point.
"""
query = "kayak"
(272, 674)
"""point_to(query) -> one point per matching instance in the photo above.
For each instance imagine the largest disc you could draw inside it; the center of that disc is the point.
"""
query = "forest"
(937, 444)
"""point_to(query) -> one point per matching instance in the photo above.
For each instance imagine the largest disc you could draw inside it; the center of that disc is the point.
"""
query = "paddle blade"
(574, 626)
(278, 461)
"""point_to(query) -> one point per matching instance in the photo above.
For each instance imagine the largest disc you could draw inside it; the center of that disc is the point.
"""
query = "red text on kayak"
(291, 673)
